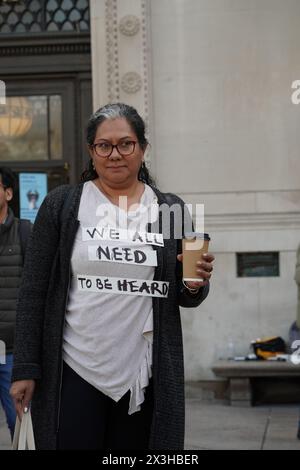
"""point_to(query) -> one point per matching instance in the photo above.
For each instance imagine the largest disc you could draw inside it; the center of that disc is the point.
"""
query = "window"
(31, 128)
(36, 16)
(264, 264)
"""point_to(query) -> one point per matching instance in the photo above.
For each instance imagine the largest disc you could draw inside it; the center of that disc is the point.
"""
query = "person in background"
(12, 237)
(295, 328)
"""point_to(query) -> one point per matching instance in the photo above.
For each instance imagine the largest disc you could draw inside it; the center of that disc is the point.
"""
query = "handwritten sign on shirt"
(122, 254)
(115, 234)
(115, 285)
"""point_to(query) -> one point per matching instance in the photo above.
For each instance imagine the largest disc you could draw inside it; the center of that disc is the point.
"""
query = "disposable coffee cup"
(194, 244)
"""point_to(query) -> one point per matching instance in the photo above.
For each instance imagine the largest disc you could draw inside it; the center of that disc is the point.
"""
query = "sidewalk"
(215, 426)
(211, 426)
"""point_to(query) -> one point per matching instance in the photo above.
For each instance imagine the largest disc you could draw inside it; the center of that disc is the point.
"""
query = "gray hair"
(115, 111)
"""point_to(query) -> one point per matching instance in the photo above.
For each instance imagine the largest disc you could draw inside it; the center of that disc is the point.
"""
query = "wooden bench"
(246, 378)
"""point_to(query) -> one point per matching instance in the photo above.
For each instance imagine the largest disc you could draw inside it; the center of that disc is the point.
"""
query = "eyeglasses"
(2, 186)
(105, 149)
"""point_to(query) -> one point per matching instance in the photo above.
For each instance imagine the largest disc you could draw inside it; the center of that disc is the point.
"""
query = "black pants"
(90, 420)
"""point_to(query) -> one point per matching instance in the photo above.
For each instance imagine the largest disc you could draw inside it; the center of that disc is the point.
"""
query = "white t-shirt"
(108, 335)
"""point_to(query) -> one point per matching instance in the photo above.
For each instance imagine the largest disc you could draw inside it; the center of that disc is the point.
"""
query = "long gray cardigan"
(41, 312)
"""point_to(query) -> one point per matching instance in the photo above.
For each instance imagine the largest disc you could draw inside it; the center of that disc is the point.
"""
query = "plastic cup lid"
(203, 236)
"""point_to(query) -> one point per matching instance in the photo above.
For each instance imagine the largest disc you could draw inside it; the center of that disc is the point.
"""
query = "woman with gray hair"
(98, 341)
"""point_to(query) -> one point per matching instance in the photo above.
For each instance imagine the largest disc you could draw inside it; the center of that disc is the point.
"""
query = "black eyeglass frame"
(93, 146)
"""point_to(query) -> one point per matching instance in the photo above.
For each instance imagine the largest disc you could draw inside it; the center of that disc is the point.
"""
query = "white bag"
(23, 436)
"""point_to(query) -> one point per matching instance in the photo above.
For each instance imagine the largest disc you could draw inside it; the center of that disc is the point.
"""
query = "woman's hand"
(21, 392)
(204, 270)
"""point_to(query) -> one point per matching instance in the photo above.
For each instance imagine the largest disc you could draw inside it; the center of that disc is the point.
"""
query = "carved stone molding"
(46, 49)
(130, 25)
(131, 82)
(121, 58)
(146, 70)
(253, 222)
(112, 59)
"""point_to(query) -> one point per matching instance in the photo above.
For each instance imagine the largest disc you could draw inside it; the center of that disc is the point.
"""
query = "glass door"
(38, 131)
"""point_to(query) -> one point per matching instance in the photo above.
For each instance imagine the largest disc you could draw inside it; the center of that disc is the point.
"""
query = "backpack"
(269, 347)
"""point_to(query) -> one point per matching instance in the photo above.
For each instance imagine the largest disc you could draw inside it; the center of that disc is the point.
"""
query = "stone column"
(121, 61)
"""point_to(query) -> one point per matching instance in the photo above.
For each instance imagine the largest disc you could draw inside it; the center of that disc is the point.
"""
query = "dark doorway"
(46, 67)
